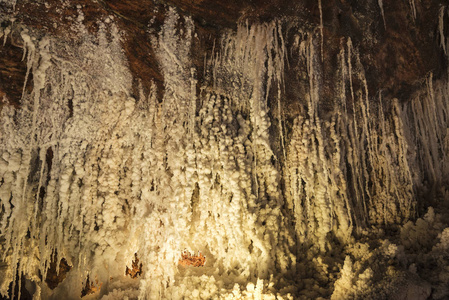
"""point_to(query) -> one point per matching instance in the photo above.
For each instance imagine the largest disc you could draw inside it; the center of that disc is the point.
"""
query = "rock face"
(280, 140)
(13, 71)
(56, 274)
(398, 44)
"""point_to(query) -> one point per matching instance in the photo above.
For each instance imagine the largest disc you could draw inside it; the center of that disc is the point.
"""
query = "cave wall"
(262, 134)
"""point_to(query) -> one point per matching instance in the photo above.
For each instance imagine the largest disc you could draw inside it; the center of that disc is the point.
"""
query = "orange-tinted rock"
(188, 259)
(90, 287)
(136, 269)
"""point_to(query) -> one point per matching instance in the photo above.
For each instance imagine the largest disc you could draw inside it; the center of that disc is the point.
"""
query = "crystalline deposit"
(92, 175)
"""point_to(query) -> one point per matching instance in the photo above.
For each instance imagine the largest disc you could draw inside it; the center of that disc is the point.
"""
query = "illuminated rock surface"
(301, 148)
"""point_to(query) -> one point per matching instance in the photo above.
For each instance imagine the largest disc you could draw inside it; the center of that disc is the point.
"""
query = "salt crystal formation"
(92, 175)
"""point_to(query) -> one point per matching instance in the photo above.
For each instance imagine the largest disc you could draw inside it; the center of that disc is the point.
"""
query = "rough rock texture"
(56, 274)
(396, 53)
(271, 135)
(406, 286)
(12, 70)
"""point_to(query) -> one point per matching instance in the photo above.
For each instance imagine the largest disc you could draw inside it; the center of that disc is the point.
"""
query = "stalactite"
(441, 29)
(381, 6)
(102, 177)
(413, 8)
(321, 29)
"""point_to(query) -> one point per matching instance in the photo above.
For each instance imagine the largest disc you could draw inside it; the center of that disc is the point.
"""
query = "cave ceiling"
(397, 51)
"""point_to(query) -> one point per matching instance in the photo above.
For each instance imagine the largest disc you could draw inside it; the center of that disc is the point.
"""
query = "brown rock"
(395, 56)
(55, 277)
